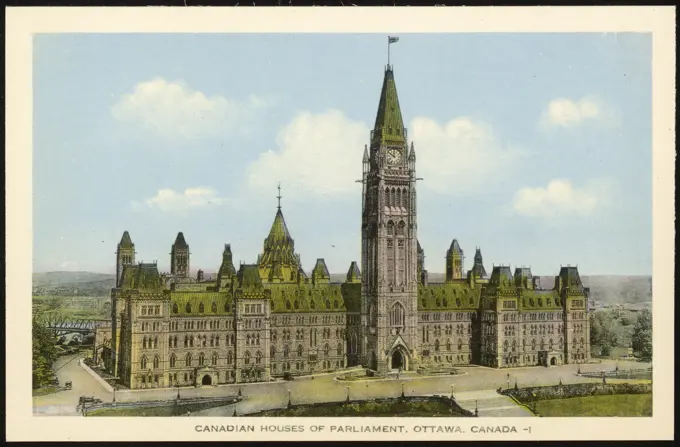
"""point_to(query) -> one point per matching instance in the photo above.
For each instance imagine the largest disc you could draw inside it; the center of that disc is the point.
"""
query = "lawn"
(159, 411)
(395, 407)
(622, 405)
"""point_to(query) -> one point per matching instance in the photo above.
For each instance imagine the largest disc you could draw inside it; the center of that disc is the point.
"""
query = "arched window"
(505, 346)
(173, 360)
(397, 316)
(214, 358)
(175, 308)
(335, 304)
(258, 357)
(401, 229)
(390, 228)
(246, 358)
(299, 350)
(398, 201)
(328, 304)
(326, 350)
(339, 349)
(387, 196)
(514, 345)
(187, 308)
(404, 199)
(286, 350)
(229, 358)
(533, 344)
(156, 362)
(448, 345)
(214, 307)
(272, 351)
(460, 344)
(436, 345)
(144, 343)
(143, 362)
(155, 342)
(201, 308)
(187, 359)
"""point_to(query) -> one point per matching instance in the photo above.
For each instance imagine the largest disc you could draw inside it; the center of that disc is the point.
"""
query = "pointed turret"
(279, 250)
(179, 257)
(320, 274)
(454, 261)
(126, 241)
(227, 270)
(478, 269)
(389, 125)
(365, 159)
(354, 274)
(125, 255)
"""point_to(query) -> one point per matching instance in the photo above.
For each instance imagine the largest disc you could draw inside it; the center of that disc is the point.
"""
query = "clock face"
(393, 156)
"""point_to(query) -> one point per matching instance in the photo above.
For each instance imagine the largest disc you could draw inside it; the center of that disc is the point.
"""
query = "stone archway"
(398, 359)
(553, 361)
(206, 380)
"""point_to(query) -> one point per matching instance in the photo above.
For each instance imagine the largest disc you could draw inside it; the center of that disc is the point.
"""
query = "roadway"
(474, 383)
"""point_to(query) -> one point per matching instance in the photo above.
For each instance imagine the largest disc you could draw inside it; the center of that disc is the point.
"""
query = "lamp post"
(177, 390)
(476, 409)
(452, 391)
(289, 403)
(347, 388)
(402, 390)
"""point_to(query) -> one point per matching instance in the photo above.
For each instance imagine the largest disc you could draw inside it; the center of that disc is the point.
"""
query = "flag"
(391, 39)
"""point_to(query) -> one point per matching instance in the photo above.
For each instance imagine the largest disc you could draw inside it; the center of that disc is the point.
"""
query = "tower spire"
(279, 196)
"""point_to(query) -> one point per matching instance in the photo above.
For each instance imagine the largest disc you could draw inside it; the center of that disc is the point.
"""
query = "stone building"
(271, 319)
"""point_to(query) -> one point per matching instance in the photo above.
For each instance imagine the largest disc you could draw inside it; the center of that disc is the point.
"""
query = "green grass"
(160, 411)
(390, 409)
(45, 390)
(622, 405)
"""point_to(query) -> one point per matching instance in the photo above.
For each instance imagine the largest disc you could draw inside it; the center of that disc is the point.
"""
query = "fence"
(161, 403)
(640, 373)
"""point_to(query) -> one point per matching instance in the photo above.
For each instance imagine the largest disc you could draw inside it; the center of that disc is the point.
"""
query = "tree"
(642, 335)
(602, 331)
(44, 354)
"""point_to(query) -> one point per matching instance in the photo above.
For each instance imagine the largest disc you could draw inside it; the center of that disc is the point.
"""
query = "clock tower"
(388, 238)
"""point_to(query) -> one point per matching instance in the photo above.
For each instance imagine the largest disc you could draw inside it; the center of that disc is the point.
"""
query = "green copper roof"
(353, 274)
(389, 125)
(279, 231)
(249, 278)
(227, 267)
(294, 298)
(180, 242)
(126, 241)
(142, 277)
(453, 296)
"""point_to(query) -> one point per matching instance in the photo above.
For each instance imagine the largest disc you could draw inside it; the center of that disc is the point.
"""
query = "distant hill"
(73, 283)
(605, 289)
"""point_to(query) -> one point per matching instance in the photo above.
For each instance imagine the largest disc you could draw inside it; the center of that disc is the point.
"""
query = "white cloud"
(563, 112)
(320, 155)
(69, 265)
(170, 201)
(173, 109)
(561, 199)
(459, 156)
(317, 155)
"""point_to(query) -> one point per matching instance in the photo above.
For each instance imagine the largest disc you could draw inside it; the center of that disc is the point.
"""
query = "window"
(175, 308)
(246, 358)
(143, 362)
(214, 358)
(187, 359)
(299, 350)
(156, 362)
(397, 316)
(258, 357)
(339, 349)
(187, 308)
(326, 350)
(173, 360)
(214, 307)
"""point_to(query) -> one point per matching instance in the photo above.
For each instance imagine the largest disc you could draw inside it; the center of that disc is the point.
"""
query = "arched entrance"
(207, 380)
(553, 361)
(397, 360)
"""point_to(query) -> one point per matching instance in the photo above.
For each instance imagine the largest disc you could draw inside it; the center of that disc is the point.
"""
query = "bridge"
(64, 324)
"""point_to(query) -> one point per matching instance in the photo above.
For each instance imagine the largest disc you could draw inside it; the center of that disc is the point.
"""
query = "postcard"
(356, 224)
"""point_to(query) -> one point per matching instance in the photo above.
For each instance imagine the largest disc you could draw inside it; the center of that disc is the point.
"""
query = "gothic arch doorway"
(553, 361)
(397, 360)
(207, 380)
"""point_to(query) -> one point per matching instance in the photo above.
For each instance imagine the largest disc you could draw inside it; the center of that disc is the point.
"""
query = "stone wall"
(576, 390)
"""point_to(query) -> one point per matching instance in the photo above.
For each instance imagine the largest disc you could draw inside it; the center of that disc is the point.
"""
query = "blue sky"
(534, 147)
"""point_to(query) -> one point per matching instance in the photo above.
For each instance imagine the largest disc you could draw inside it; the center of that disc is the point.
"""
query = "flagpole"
(388, 51)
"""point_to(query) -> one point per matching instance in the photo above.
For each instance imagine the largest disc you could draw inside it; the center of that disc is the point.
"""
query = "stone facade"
(271, 319)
